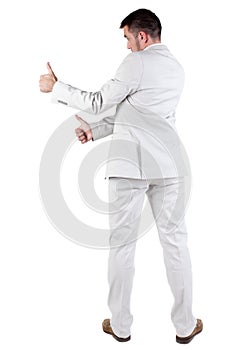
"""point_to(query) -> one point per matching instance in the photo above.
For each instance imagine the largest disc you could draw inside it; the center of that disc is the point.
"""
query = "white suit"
(146, 88)
(146, 150)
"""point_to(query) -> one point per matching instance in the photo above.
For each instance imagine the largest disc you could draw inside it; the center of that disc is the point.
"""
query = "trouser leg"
(168, 201)
(126, 198)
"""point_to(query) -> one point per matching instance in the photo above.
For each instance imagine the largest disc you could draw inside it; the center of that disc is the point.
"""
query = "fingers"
(79, 132)
(83, 132)
(46, 83)
(50, 71)
(81, 135)
(45, 76)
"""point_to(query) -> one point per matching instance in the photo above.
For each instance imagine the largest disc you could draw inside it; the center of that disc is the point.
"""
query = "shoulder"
(131, 64)
(133, 57)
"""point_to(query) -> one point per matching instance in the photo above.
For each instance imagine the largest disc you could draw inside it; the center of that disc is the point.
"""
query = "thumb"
(50, 71)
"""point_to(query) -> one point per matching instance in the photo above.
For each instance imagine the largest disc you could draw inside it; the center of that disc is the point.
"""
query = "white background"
(54, 292)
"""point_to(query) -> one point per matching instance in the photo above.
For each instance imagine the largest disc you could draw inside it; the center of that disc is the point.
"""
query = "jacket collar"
(155, 46)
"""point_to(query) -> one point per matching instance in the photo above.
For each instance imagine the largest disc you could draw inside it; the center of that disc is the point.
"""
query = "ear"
(143, 36)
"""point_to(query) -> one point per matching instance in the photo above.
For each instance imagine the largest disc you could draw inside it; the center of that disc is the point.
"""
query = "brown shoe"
(107, 329)
(198, 329)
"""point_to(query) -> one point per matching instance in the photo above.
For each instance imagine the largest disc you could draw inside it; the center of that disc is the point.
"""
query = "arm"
(94, 131)
(125, 82)
(102, 128)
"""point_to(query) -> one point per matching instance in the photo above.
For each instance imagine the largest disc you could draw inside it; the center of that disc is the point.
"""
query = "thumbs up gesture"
(83, 132)
(47, 81)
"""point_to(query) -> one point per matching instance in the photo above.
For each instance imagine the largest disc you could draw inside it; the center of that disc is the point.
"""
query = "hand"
(83, 132)
(47, 81)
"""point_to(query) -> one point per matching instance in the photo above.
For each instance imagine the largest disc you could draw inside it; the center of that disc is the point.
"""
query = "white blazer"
(146, 90)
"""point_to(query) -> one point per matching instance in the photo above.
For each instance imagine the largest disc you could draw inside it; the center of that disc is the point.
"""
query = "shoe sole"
(186, 340)
(121, 340)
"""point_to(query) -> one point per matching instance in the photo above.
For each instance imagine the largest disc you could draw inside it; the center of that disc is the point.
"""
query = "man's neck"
(151, 42)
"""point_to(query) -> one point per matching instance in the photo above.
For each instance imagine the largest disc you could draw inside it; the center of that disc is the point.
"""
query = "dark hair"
(143, 20)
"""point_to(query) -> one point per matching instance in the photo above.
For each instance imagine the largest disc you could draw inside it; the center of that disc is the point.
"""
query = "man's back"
(146, 142)
(158, 80)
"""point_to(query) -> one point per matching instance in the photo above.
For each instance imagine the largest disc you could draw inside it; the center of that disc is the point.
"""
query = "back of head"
(143, 20)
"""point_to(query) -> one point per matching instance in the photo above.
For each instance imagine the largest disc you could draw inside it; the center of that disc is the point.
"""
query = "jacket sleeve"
(102, 128)
(125, 82)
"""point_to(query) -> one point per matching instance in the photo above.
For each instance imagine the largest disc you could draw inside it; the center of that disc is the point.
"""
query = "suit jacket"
(146, 90)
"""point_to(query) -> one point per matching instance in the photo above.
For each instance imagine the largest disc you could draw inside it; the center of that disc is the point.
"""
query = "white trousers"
(167, 198)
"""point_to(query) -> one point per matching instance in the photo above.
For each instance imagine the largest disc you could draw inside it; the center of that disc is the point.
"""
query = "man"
(147, 158)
